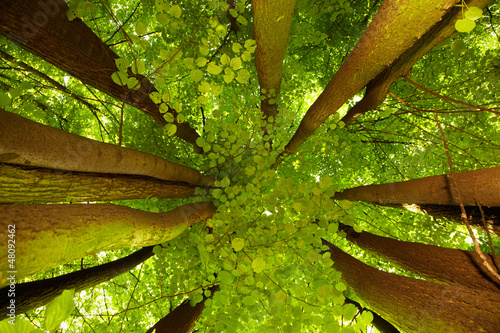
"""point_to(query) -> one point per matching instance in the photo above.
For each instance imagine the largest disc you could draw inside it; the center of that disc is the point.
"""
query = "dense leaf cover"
(263, 246)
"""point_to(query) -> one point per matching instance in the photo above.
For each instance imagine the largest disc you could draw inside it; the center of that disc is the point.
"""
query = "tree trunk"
(26, 142)
(416, 305)
(449, 266)
(21, 184)
(32, 295)
(51, 235)
(374, 52)
(272, 21)
(183, 318)
(377, 89)
(42, 28)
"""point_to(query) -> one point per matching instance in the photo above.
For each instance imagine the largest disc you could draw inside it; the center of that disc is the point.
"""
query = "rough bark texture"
(51, 235)
(393, 30)
(26, 142)
(183, 318)
(377, 89)
(272, 21)
(481, 185)
(449, 266)
(42, 28)
(21, 184)
(416, 305)
(32, 295)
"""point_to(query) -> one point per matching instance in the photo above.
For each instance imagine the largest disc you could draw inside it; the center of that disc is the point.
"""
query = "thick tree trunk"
(31, 295)
(272, 21)
(392, 30)
(51, 235)
(449, 266)
(416, 305)
(377, 89)
(21, 184)
(26, 142)
(183, 318)
(43, 28)
(479, 186)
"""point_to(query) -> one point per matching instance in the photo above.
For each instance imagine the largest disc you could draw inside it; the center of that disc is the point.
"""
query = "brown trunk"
(51, 235)
(416, 305)
(183, 318)
(481, 186)
(392, 23)
(21, 184)
(378, 88)
(43, 28)
(26, 142)
(449, 266)
(32, 295)
(272, 21)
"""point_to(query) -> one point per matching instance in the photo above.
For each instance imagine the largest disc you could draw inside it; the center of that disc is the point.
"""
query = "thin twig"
(458, 198)
(492, 247)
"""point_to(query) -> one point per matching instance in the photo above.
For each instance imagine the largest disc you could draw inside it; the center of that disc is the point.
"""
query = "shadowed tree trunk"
(367, 60)
(21, 184)
(183, 318)
(449, 266)
(377, 89)
(479, 186)
(416, 305)
(272, 21)
(32, 295)
(26, 142)
(42, 28)
(78, 230)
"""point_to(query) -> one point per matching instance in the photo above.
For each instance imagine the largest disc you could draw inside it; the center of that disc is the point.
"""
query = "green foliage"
(263, 246)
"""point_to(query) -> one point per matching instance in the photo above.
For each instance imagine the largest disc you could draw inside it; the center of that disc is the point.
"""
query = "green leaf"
(201, 61)
(249, 300)
(280, 296)
(141, 28)
(138, 67)
(214, 68)
(258, 265)
(132, 82)
(225, 59)
(163, 19)
(236, 47)
(349, 311)
(204, 87)
(170, 129)
(21, 325)
(120, 78)
(4, 99)
(236, 63)
(458, 46)
(473, 13)
(243, 76)
(238, 244)
(465, 25)
(122, 64)
(196, 75)
(175, 11)
(59, 309)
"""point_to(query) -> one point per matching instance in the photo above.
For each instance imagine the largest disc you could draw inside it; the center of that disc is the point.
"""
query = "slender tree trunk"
(21, 184)
(51, 235)
(42, 28)
(183, 318)
(377, 89)
(272, 21)
(391, 23)
(26, 142)
(31, 295)
(449, 266)
(416, 305)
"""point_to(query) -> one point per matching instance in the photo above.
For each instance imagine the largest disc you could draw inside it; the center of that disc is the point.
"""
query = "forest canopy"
(259, 166)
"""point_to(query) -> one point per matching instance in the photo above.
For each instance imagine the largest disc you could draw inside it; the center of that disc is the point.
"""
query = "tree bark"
(272, 21)
(42, 28)
(26, 142)
(439, 264)
(377, 89)
(391, 32)
(21, 184)
(416, 305)
(51, 235)
(32, 295)
(183, 318)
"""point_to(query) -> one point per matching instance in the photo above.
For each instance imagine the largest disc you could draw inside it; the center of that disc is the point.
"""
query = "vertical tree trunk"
(51, 235)
(42, 28)
(21, 184)
(416, 305)
(183, 318)
(272, 21)
(449, 266)
(26, 142)
(392, 23)
(32, 295)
